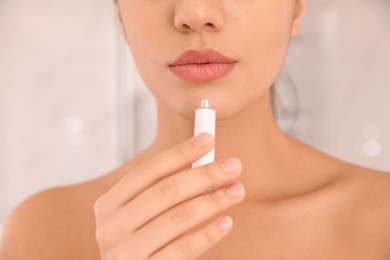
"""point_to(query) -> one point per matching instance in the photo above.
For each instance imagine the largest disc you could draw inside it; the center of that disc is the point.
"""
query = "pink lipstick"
(201, 66)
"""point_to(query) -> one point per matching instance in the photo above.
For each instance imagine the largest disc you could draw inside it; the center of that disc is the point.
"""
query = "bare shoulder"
(368, 207)
(374, 185)
(47, 224)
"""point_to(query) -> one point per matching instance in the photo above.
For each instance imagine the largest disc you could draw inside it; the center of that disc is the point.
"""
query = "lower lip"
(202, 72)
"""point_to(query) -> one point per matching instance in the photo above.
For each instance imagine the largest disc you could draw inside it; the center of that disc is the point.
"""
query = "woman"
(287, 200)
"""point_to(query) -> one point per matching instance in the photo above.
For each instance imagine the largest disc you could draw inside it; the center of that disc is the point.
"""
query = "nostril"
(194, 23)
(186, 27)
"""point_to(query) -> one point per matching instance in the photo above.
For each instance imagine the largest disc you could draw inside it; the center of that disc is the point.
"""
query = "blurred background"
(71, 102)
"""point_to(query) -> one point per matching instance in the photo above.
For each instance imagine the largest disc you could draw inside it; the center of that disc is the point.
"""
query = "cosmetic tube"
(205, 118)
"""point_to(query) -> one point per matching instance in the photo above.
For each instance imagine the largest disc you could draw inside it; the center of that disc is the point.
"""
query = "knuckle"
(180, 151)
(208, 236)
(184, 249)
(180, 215)
(101, 234)
(208, 173)
(98, 206)
(219, 199)
(168, 188)
(148, 165)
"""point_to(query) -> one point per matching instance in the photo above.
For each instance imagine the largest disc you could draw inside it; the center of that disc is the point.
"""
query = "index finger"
(160, 166)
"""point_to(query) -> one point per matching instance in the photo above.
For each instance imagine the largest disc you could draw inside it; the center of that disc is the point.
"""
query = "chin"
(227, 95)
(226, 106)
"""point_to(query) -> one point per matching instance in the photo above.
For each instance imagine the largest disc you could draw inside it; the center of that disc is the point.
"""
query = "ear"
(300, 10)
(120, 21)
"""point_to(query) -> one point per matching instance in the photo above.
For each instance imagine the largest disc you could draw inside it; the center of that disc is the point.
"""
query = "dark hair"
(285, 101)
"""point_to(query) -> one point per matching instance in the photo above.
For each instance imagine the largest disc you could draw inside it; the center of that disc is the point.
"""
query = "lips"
(202, 66)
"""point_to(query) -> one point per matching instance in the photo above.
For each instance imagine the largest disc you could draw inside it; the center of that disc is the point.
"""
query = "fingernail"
(225, 223)
(202, 140)
(235, 190)
(231, 165)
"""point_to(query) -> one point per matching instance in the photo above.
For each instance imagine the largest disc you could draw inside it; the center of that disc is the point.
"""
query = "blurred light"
(372, 148)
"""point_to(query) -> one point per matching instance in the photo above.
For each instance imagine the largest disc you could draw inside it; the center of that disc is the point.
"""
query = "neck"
(252, 135)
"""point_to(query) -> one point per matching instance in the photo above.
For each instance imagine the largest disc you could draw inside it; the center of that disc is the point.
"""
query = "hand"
(150, 212)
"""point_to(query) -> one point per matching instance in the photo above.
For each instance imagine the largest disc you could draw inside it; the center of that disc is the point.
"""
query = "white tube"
(205, 118)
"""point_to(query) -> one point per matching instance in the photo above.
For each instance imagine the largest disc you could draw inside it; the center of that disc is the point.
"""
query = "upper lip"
(201, 57)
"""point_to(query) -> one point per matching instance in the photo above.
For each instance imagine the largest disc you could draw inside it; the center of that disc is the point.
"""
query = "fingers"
(180, 219)
(157, 168)
(157, 208)
(195, 244)
(178, 188)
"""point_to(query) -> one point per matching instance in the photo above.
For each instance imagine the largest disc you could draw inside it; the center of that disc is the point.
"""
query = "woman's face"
(253, 33)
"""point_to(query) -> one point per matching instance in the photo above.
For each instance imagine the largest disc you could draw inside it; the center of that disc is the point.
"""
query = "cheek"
(144, 25)
(266, 36)
(267, 56)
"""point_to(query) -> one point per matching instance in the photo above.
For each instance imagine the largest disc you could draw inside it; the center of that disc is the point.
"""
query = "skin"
(295, 202)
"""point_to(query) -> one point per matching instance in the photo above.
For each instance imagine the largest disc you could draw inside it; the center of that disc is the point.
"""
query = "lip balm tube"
(205, 118)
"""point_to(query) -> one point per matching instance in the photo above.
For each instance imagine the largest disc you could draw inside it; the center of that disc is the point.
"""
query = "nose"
(198, 15)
